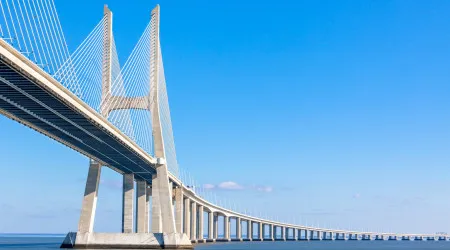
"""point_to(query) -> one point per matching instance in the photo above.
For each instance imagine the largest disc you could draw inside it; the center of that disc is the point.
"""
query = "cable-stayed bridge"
(119, 117)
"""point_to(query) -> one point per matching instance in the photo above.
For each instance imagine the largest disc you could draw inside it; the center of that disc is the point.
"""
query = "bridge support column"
(283, 233)
(216, 226)
(164, 194)
(261, 231)
(179, 209)
(210, 225)
(156, 208)
(187, 217)
(238, 229)
(193, 221)
(272, 235)
(226, 223)
(127, 203)
(86, 223)
(200, 223)
(249, 230)
(142, 209)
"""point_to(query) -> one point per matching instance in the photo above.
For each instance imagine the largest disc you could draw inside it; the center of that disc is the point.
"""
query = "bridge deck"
(22, 98)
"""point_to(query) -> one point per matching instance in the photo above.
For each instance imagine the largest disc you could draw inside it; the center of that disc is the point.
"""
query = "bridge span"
(32, 96)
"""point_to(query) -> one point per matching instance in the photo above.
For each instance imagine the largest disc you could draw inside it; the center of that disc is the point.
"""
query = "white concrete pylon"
(162, 175)
(107, 60)
(86, 223)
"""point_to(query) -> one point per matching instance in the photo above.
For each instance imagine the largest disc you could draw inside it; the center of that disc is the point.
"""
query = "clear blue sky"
(338, 110)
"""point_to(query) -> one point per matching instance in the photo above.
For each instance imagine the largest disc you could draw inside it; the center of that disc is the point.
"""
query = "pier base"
(126, 241)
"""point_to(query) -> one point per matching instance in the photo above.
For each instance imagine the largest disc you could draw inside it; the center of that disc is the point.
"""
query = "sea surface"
(41, 242)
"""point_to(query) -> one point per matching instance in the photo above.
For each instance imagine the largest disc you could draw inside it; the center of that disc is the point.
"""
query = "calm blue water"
(41, 243)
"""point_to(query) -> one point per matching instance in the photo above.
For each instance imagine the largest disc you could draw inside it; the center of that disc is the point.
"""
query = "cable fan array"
(33, 28)
(166, 122)
(133, 82)
(87, 64)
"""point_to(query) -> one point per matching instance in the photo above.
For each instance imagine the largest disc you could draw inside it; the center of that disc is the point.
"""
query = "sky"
(326, 113)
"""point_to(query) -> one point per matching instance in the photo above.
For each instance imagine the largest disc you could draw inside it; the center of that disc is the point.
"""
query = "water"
(38, 242)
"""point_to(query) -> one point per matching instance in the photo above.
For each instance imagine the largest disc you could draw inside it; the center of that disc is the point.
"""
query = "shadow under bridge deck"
(32, 97)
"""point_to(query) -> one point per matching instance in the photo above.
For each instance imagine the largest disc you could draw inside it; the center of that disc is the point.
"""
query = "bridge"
(119, 117)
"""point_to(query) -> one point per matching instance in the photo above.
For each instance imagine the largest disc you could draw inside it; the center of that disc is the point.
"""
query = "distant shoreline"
(30, 235)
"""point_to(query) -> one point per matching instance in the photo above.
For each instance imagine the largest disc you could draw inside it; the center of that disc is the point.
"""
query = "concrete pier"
(179, 209)
(226, 223)
(261, 231)
(193, 221)
(216, 226)
(272, 232)
(392, 237)
(141, 209)
(127, 204)
(340, 236)
(210, 226)
(249, 230)
(187, 217)
(200, 224)
(238, 229)
(156, 226)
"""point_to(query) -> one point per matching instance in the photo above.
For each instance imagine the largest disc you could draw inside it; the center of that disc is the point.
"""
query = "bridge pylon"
(162, 233)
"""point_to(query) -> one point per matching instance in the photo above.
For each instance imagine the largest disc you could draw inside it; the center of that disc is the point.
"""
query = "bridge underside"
(25, 101)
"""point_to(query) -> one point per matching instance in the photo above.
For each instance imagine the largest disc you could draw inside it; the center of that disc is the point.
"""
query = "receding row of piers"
(201, 224)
